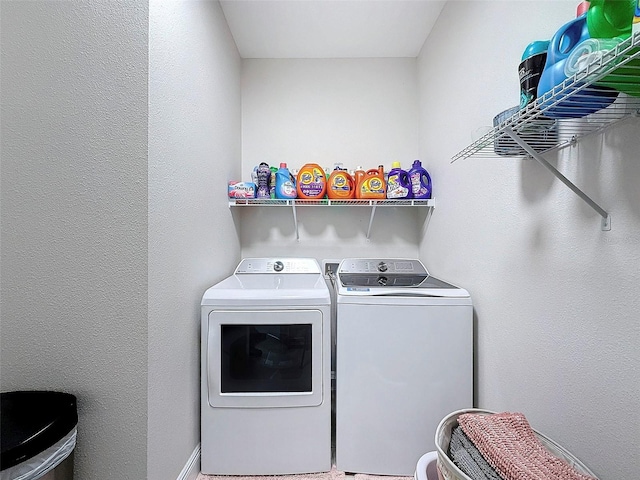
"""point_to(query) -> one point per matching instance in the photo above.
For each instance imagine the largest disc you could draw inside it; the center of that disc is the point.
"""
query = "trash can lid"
(33, 421)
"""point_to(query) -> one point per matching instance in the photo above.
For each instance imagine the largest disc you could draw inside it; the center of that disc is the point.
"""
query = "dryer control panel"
(278, 265)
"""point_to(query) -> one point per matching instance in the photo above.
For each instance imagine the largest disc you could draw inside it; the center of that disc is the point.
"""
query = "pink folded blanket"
(509, 444)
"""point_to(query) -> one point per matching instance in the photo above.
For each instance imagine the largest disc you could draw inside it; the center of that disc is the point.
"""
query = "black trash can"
(38, 435)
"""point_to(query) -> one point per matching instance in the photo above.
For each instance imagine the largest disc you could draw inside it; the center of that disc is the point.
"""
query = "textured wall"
(74, 218)
(556, 298)
(354, 111)
(194, 147)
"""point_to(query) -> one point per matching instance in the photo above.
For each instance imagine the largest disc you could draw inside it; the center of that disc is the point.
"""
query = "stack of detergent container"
(312, 182)
(600, 25)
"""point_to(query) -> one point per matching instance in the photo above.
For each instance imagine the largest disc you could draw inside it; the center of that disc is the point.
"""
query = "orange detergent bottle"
(312, 182)
(372, 185)
(341, 185)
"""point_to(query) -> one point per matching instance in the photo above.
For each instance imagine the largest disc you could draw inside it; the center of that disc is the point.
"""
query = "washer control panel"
(390, 266)
(278, 265)
(381, 273)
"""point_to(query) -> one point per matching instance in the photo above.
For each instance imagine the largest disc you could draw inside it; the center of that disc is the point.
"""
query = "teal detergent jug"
(585, 100)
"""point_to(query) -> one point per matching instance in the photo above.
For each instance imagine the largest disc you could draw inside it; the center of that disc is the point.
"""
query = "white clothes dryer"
(404, 361)
(266, 370)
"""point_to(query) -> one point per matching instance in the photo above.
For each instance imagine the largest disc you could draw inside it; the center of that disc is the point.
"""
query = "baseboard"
(192, 469)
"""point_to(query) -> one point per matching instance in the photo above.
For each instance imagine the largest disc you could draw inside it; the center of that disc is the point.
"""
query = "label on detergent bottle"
(312, 182)
(340, 185)
(372, 186)
(636, 19)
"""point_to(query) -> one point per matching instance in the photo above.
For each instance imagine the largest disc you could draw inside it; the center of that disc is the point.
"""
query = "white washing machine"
(266, 370)
(404, 361)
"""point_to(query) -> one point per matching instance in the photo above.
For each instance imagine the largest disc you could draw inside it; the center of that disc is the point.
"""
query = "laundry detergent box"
(242, 189)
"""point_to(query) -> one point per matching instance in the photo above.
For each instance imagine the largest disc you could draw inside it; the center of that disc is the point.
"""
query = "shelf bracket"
(606, 218)
(295, 219)
(373, 212)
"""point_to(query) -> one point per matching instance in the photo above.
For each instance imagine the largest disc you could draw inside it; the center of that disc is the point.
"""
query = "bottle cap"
(582, 8)
(283, 165)
(395, 165)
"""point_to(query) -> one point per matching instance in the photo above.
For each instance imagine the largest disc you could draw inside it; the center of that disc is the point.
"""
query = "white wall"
(74, 218)
(352, 111)
(556, 298)
(194, 147)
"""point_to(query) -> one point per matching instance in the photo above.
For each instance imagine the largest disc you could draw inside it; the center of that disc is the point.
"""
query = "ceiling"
(330, 28)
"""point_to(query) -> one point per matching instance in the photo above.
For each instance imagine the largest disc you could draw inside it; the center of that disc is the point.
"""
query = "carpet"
(366, 476)
(331, 475)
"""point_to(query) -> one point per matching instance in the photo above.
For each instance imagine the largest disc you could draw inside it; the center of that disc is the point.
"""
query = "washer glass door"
(269, 358)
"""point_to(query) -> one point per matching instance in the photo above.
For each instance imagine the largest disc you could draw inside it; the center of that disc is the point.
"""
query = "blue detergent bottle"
(588, 100)
(398, 183)
(420, 181)
(285, 183)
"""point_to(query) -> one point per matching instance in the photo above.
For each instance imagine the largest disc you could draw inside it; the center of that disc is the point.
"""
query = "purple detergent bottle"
(398, 183)
(263, 173)
(420, 181)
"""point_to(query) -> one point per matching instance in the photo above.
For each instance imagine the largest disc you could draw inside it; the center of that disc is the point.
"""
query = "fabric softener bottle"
(285, 183)
(420, 181)
(263, 174)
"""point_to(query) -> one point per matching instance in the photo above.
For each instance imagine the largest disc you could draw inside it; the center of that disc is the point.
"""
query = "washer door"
(264, 358)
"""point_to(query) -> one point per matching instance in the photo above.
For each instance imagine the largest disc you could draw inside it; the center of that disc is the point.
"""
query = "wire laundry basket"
(447, 470)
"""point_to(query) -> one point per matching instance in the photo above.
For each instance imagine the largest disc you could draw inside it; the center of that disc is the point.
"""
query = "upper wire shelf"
(568, 105)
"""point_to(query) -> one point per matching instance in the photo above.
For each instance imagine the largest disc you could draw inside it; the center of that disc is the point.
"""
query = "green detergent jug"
(610, 18)
(613, 19)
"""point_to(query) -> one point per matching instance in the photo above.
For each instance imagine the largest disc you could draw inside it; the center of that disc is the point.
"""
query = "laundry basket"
(447, 470)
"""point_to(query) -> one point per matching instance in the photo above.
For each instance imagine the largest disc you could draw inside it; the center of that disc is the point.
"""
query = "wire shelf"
(603, 92)
(325, 202)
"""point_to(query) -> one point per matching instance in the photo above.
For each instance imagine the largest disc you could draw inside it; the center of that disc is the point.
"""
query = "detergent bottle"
(341, 184)
(531, 66)
(589, 99)
(372, 184)
(263, 174)
(272, 182)
(609, 23)
(398, 183)
(420, 181)
(311, 182)
(610, 18)
(358, 175)
(285, 183)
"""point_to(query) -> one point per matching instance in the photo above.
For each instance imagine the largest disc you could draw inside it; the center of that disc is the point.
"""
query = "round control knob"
(382, 267)
(382, 281)
(278, 266)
